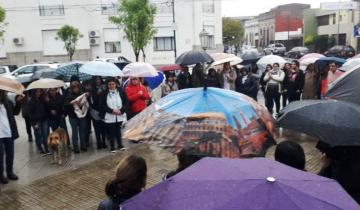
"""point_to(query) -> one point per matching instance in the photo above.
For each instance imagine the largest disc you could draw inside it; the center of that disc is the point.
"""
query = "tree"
(2, 19)
(136, 17)
(69, 35)
(233, 32)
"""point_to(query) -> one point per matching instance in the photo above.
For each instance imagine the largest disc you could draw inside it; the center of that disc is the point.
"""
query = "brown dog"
(58, 141)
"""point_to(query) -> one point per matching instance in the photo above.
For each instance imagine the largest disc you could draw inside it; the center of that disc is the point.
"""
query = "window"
(323, 20)
(164, 8)
(52, 10)
(2, 70)
(26, 70)
(334, 19)
(164, 43)
(211, 42)
(109, 9)
(112, 47)
(208, 6)
(37, 68)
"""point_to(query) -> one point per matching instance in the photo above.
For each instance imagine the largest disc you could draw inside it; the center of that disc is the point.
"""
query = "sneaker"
(3, 180)
(12, 176)
(113, 151)
(122, 148)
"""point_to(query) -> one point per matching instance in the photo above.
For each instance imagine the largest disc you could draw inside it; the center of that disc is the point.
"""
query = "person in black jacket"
(246, 84)
(129, 180)
(38, 118)
(25, 114)
(295, 84)
(114, 105)
(212, 79)
(55, 109)
(184, 78)
(8, 133)
(284, 88)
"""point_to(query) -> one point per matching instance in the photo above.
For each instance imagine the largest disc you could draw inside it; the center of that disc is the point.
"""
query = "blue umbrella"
(154, 82)
(67, 70)
(325, 61)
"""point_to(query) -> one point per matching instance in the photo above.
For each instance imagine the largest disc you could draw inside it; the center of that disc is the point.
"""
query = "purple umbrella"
(243, 184)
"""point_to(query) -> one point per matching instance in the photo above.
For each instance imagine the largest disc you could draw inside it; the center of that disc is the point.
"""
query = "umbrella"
(221, 58)
(139, 69)
(307, 61)
(349, 64)
(100, 68)
(210, 121)
(346, 87)
(311, 55)
(11, 85)
(67, 70)
(250, 56)
(45, 84)
(243, 184)
(270, 59)
(356, 56)
(193, 57)
(171, 67)
(154, 82)
(334, 122)
(325, 61)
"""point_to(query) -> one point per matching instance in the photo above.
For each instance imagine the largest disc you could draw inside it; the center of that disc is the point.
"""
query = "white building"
(33, 24)
(252, 32)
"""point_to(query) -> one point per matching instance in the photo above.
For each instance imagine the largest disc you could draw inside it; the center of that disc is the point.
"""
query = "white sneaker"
(113, 151)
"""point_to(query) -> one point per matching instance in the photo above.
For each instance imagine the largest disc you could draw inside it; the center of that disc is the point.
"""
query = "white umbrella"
(306, 61)
(101, 68)
(270, 59)
(349, 64)
(11, 85)
(221, 58)
(139, 69)
(45, 84)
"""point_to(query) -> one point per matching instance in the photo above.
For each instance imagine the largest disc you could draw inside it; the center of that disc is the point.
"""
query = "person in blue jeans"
(8, 133)
(39, 120)
(78, 125)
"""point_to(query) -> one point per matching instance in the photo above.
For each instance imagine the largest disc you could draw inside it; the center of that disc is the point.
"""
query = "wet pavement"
(79, 183)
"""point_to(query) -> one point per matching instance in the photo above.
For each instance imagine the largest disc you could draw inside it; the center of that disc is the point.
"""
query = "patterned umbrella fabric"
(67, 70)
(243, 184)
(45, 84)
(214, 122)
(193, 57)
(139, 69)
(101, 68)
(11, 85)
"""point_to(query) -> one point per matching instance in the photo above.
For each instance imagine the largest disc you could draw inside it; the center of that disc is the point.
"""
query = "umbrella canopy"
(334, 122)
(67, 70)
(243, 184)
(11, 85)
(214, 122)
(221, 58)
(307, 61)
(250, 56)
(350, 64)
(101, 68)
(193, 57)
(325, 61)
(270, 59)
(346, 87)
(356, 56)
(45, 84)
(171, 67)
(154, 82)
(311, 55)
(139, 69)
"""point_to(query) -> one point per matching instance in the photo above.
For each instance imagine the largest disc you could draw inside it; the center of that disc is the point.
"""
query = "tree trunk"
(144, 56)
(137, 55)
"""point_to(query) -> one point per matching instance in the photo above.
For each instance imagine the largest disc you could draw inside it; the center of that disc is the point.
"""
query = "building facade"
(33, 24)
(252, 32)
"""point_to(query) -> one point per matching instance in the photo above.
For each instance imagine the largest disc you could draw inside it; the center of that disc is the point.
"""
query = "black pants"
(7, 148)
(100, 133)
(28, 127)
(294, 96)
(114, 134)
(284, 99)
(272, 95)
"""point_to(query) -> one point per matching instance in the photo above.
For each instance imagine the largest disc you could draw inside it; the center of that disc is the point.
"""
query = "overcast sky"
(232, 8)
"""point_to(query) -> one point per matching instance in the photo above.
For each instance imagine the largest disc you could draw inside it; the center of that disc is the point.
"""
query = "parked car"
(341, 51)
(7, 69)
(25, 73)
(297, 52)
(276, 48)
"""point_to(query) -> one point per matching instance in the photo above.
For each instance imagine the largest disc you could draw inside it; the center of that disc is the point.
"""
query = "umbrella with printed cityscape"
(205, 121)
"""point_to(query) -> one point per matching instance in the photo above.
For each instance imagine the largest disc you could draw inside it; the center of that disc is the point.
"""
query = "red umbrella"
(170, 67)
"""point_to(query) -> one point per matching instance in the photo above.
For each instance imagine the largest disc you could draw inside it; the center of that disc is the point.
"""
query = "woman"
(212, 79)
(273, 79)
(55, 109)
(129, 180)
(284, 93)
(228, 77)
(296, 82)
(38, 117)
(262, 82)
(113, 111)
(78, 124)
(170, 85)
(311, 83)
(137, 96)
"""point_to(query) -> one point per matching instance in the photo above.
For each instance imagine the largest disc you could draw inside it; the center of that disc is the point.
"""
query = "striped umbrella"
(67, 70)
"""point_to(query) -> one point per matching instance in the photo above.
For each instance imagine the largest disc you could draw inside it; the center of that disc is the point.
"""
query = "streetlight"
(204, 39)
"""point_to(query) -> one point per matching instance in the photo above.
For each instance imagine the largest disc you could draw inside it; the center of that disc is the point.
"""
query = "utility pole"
(174, 27)
(338, 27)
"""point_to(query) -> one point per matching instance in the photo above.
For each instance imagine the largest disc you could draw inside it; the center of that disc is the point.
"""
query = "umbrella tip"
(271, 179)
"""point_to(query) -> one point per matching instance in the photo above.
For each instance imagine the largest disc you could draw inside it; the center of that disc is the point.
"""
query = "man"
(184, 78)
(8, 133)
(273, 80)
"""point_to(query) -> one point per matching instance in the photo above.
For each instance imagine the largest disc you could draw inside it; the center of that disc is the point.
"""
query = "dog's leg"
(60, 154)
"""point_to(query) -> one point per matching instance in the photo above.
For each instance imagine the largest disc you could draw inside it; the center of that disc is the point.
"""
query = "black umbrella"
(334, 122)
(193, 57)
(346, 88)
(251, 56)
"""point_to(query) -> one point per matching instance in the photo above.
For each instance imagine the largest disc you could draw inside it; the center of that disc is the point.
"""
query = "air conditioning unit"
(94, 41)
(94, 33)
(18, 40)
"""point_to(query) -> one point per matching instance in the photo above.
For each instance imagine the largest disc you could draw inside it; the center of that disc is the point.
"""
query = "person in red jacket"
(137, 95)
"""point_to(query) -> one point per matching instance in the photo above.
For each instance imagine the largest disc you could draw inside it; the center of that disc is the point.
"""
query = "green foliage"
(69, 35)
(233, 32)
(322, 43)
(308, 41)
(2, 19)
(136, 17)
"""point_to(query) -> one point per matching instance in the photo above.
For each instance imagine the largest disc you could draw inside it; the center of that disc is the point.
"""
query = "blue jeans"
(78, 128)
(41, 132)
(7, 147)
